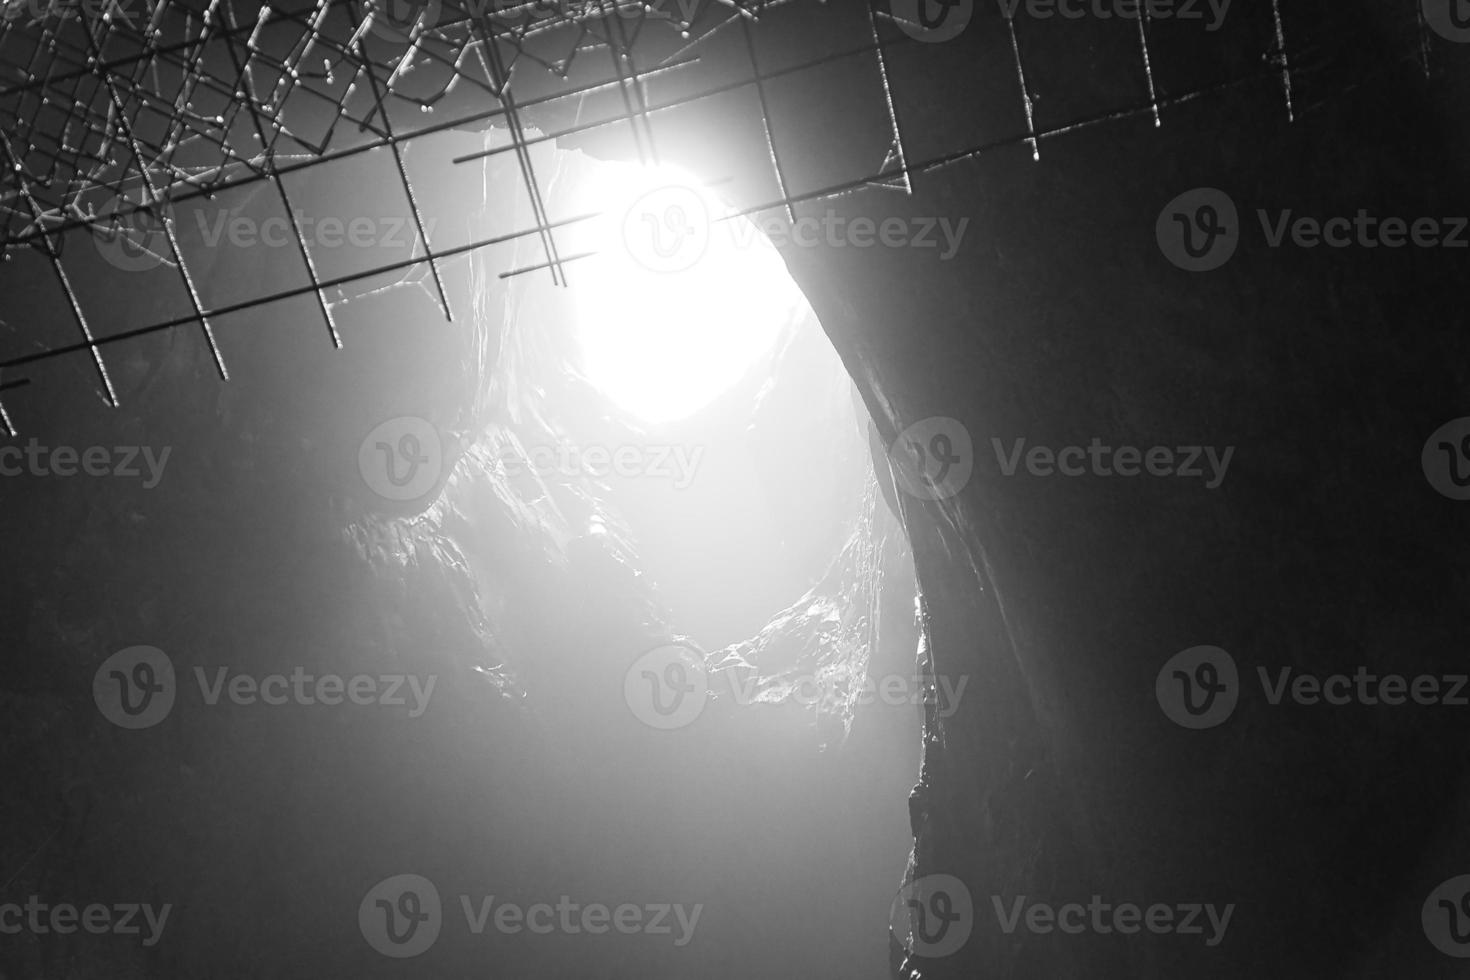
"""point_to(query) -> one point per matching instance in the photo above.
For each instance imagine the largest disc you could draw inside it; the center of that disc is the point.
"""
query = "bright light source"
(678, 304)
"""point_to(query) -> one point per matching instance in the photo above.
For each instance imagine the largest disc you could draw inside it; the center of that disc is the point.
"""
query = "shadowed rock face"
(1059, 321)
(1322, 549)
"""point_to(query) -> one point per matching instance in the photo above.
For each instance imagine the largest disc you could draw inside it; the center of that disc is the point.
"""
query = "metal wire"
(114, 117)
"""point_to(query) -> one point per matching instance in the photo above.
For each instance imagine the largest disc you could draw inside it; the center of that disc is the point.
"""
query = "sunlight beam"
(678, 305)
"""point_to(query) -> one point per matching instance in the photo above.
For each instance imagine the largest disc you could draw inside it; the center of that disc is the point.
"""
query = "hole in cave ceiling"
(730, 459)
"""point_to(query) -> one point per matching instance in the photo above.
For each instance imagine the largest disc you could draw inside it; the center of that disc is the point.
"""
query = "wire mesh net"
(116, 112)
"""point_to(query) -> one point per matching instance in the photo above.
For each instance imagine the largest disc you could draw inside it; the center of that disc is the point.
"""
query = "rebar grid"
(113, 111)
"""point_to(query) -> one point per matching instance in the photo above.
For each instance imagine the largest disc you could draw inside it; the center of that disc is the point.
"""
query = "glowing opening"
(678, 304)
